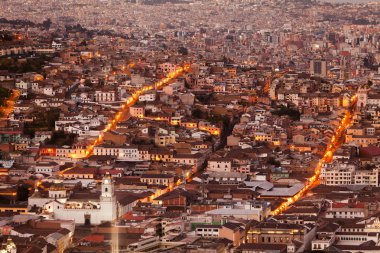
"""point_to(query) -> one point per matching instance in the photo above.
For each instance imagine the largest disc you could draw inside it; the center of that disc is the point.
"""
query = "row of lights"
(331, 148)
(132, 100)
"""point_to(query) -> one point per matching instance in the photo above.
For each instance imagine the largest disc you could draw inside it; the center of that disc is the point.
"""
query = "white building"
(122, 153)
(48, 168)
(137, 111)
(105, 96)
(246, 210)
(22, 85)
(346, 211)
(367, 177)
(337, 173)
(208, 230)
(48, 90)
(149, 97)
(219, 165)
(343, 173)
(88, 211)
(56, 192)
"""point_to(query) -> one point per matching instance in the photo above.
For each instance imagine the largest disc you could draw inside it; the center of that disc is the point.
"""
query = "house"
(362, 140)
(347, 211)
(173, 88)
(196, 160)
(86, 207)
(208, 231)
(41, 136)
(105, 96)
(219, 165)
(162, 140)
(167, 67)
(80, 173)
(121, 153)
(147, 97)
(326, 236)
(281, 233)
(177, 197)
(137, 111)
(234, 232)
(233, 178)
(48, 168)
(157, 179)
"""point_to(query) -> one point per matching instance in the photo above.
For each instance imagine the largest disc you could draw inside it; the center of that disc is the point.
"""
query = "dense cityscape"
(217, 126)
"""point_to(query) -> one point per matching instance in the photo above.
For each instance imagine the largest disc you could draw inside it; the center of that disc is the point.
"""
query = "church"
(87, 209)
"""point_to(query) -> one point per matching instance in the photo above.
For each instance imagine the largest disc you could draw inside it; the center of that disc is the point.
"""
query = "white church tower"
(108, 205)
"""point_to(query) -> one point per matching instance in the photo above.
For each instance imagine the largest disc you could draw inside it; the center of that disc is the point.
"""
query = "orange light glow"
(9, 104)
(327, 157)
(118, 116)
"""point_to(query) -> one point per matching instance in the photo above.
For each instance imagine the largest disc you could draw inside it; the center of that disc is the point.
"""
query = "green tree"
(294, 114)
(23, 192)
(60, 138)
(198, 114)
(46, 24)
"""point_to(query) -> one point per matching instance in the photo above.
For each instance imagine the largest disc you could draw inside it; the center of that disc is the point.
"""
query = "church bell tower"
(107, 189)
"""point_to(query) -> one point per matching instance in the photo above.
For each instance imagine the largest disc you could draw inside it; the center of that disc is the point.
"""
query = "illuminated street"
(249, 126)
(131, 101)
(333, 145)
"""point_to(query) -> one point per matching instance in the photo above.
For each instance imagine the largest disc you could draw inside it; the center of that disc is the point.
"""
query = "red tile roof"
(94, 238)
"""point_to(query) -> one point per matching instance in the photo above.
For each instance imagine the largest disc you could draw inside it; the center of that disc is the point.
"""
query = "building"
(318, 68)
(157, 179)
(148, 97)
(48, 168)
(347, 211)
(219, 165)
(87, 211)
(281, 233)
(105, 96)
(137, 111)
(122, 153)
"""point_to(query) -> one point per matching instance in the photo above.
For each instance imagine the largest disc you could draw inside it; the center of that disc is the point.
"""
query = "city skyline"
(226, 126)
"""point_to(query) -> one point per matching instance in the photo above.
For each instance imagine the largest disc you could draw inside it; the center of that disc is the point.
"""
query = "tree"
(43, 120)
(274, 162)
(183, 51)
(370, 62)
(4, 95)
(60, 138)
(88, 83)
(198, 113)
(294, 114)
(46, 24)
(23, 192)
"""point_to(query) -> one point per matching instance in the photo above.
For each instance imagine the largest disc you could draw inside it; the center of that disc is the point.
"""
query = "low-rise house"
(48, 168)
(157, 179)
(79, 173)
(347, 211)
(219, 165)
